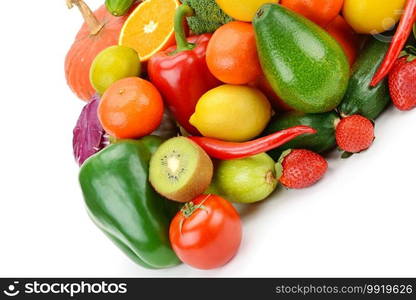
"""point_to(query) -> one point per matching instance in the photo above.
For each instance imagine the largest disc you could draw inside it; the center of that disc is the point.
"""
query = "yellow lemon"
(372, 16)
(232, 113)
(243, 10)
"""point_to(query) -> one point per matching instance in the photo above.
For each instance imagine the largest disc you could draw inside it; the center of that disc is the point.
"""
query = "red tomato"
(319, 11)
(340, 30)
(206, 233)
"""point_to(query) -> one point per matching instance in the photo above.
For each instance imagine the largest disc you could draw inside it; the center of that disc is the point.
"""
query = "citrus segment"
(149, 28)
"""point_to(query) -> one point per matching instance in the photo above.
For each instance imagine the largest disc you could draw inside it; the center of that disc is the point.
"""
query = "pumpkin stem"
(93, 23)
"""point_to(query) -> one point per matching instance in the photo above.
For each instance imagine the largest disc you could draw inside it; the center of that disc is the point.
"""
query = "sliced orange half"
(149, 28)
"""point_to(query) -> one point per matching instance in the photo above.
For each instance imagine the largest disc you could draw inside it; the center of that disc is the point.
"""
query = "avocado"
(305, 66)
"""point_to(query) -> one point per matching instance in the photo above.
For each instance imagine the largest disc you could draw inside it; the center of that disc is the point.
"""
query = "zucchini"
(360, 98)
(322, 141)
(118, 8)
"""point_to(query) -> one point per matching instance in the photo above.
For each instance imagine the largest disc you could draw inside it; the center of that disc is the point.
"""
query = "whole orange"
(232, 54)
(130, 108)
(340, 30)
(319, 11)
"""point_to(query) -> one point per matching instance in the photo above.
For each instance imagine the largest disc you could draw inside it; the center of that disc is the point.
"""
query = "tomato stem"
(189, 208)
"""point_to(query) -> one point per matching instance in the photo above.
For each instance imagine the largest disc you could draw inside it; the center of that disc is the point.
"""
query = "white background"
(359, 220)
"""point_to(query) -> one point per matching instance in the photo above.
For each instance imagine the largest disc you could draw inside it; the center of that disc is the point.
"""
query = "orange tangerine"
(149, 28)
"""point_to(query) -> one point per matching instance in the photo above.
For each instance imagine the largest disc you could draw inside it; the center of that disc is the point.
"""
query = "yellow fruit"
(372, 16)
(243, 10)
(232, 113)
(149, 28)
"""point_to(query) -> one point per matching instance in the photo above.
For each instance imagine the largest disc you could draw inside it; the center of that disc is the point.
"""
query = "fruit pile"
(196, 105)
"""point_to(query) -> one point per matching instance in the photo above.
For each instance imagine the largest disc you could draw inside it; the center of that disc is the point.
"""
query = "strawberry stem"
(346, 155)
(411, 52)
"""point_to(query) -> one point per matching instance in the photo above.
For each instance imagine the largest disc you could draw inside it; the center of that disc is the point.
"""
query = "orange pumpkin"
(99, 31)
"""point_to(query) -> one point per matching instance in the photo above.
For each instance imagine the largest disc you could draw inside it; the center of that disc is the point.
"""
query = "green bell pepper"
(122, 203)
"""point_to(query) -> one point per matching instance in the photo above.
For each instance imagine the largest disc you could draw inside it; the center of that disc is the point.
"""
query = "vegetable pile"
(196, 105)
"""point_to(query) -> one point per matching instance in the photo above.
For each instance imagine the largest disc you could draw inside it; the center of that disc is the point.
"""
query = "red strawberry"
(300, 168)
(402, 83)
(354, 133)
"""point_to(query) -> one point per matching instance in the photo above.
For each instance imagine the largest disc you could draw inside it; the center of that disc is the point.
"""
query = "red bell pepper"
(229, 150)
(181, 73)
(403, 32)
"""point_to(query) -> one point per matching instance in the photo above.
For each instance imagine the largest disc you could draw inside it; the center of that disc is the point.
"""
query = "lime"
(112, 64)
(245, 180)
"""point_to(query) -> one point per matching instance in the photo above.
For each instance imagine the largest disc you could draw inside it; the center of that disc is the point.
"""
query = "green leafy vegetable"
(208, 16)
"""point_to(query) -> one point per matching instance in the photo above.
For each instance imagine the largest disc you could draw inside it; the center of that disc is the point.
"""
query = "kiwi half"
(180, 170)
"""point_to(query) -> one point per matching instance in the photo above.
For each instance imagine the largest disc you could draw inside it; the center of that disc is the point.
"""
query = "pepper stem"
(93, 23)
(181, 13)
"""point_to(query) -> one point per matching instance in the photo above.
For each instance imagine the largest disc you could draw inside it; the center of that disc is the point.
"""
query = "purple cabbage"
(89, 135)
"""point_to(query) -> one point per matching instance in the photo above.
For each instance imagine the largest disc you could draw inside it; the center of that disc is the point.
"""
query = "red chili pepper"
(229, 150)
(181, 73)
(399, 40)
